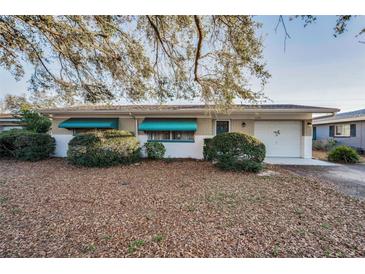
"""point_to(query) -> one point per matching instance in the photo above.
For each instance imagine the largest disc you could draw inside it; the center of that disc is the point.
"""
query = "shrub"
(34, 147)
(7, 139)
(26, 145)
(34, 121)
(155, 150)
(237, 151)
(103, 148)
(344, 154)
(206, 149)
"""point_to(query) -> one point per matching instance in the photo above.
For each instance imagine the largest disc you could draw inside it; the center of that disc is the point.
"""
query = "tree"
(14, 103)
(340, 26)
(33, 120)
(103, 58)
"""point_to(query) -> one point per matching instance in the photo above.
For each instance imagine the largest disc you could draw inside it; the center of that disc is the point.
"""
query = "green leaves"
(34, 121)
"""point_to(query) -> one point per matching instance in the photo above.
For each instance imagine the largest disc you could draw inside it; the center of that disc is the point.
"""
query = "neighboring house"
(286, 130)
(8, 122)
(347, 128)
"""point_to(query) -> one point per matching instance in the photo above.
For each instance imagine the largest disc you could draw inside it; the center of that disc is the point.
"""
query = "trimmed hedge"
(26, 145)
(155, 150)
(206, 149)
(103, 148)
(344, 154)
(236, 151)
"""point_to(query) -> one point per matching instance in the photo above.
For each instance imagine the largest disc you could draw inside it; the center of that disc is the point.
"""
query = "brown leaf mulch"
(172, 209)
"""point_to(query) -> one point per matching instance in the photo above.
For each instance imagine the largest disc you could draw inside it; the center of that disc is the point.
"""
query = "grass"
(299, 211)
(3, 200)
(158, 238)
(16, 210)
(135, 245)
(90, 248)
(326, 226)
(276, 250)
(106, 237)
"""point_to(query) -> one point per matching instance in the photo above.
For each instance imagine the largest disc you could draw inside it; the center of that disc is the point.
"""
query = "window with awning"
(168, 125)
(92, 123)
(169, 130)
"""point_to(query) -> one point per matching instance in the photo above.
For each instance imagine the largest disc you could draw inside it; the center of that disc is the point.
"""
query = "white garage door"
(282, 139)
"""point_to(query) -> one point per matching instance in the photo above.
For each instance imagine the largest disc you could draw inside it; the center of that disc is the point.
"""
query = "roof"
(8, 118)
(357, 115)
(143, 109)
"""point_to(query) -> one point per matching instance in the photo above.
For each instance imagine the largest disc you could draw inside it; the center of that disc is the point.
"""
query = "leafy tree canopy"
(104, 58)
(33, 120)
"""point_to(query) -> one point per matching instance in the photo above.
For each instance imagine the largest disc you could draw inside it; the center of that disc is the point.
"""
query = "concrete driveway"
(349, 179)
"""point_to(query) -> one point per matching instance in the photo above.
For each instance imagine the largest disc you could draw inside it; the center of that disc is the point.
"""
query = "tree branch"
(198, 48)
(155, 28)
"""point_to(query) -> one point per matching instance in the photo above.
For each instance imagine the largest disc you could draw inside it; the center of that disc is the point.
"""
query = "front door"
(221, 127)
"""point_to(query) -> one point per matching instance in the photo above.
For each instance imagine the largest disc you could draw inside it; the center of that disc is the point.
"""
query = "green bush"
(206, 149)
(237, 151)
(34, 121)
(344, 154)
(155, 150)
(26, 145)
(103, 148)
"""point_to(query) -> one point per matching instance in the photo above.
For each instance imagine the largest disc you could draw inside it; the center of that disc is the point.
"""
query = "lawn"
(172, 209)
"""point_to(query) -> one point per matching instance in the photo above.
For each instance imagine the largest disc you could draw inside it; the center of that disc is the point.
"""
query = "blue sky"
(316, 68)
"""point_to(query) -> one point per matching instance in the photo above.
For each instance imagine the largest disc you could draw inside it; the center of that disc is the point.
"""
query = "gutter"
(326, 116)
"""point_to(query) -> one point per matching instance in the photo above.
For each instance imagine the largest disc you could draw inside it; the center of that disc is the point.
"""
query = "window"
(171, 136)
(342, 130)
(159, 135)
(314, 133)
(221, 127)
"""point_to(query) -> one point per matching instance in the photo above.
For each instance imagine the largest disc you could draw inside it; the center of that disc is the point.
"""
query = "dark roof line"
(344, 115)
(180, 107)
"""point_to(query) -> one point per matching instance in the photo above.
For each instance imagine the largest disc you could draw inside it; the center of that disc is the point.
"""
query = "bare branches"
(158, 35)
(286, 34)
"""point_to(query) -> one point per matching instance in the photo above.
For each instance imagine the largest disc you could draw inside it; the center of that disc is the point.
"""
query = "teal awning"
(90, 123)
(168, 125)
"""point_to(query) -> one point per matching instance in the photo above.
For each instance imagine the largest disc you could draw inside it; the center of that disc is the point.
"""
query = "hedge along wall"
(103, 148)
(26, 145)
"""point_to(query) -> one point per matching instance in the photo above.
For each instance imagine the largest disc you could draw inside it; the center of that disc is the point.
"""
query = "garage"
(281, 138)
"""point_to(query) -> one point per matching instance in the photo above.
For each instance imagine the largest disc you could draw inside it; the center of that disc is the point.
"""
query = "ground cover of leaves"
(172, 209)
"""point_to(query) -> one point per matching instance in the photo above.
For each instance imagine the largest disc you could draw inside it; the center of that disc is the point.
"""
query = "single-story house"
(8, 122)
(286, 130)
(346, 128)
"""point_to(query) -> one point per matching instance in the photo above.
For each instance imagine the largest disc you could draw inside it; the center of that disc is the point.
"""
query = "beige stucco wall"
(307, 128)
(236, 126)
(128, 124)
(205, 126)
(56, 130)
